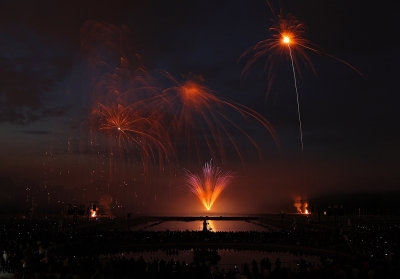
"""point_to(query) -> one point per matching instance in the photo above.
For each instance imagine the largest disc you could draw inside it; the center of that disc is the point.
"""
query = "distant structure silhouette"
(205, 223)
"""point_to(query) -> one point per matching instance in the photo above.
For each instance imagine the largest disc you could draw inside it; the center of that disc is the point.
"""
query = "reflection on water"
(213, 225)
(223, 257)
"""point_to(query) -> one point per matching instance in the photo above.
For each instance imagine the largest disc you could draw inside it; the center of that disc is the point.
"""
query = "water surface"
(213, 225)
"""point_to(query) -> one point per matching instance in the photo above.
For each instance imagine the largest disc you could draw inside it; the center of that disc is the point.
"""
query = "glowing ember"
(208, 186)
(286, 39)
(93, 213)
(301, 206)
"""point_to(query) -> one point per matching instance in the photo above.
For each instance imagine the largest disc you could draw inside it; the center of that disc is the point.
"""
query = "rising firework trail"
(208, 185)
(287, 40)
(287, 36)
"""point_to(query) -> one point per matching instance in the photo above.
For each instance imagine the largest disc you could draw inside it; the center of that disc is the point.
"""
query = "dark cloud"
(16, 115)
(36, 132)
(55, 111)
(30, 69)
(23, 115)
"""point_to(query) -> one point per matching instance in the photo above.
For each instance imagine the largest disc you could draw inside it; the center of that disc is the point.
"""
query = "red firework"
(131, 127)
(196, 107)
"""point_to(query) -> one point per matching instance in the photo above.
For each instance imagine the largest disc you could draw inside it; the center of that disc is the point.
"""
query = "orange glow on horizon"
(301, 206)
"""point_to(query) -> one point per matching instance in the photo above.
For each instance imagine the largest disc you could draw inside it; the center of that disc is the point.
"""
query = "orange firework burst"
(286, 32)
(287, 41)
(208, 186)
(128, 125)
(195, 107)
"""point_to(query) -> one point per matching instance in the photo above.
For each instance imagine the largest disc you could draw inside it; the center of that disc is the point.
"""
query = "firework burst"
(287, 34)
(208, 185)
(130, 126)
(284, 31)
(196, 108)
(287, 42)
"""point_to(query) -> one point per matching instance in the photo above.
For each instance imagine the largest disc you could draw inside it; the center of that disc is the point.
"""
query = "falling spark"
(209, 185)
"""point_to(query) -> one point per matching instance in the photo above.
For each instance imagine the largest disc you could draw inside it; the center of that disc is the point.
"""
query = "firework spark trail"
(209, 185)
(127, 126)
(135, 119)
(297, 99)
(274, 48)
(194, 106)
(133, 111)
(286, 31)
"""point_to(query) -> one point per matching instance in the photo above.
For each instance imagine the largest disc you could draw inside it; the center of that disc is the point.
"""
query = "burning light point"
(286, 40)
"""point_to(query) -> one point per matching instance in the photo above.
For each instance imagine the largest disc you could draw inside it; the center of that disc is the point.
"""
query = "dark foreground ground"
(356, 247)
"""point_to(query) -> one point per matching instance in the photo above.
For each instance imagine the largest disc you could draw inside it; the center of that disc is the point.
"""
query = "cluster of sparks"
(129, 126)
(137, 113)
(155, 120)
(208, 185)
(195, 105)
(287, 34)
(149, 123)
(287, 42)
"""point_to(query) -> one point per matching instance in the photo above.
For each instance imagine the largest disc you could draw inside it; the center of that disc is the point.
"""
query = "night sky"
(350, 122)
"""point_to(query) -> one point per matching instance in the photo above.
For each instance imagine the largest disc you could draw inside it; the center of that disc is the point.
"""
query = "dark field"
(293, 246)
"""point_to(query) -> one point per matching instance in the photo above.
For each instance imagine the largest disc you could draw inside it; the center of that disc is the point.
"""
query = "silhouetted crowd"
(45, 250)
